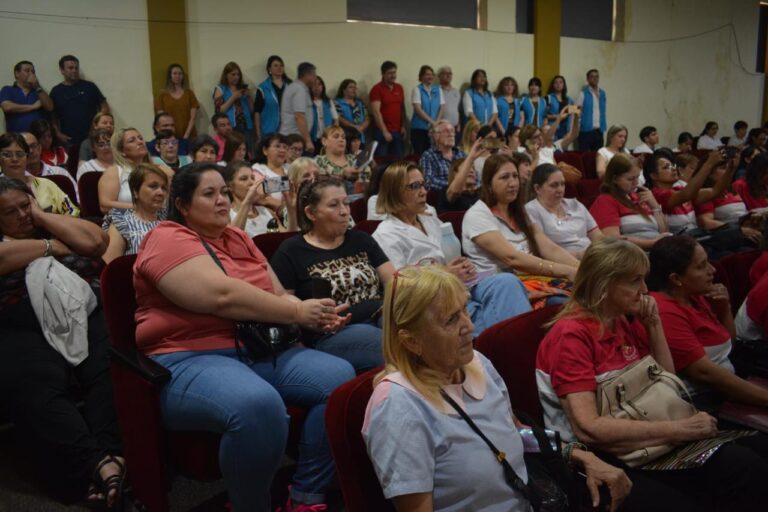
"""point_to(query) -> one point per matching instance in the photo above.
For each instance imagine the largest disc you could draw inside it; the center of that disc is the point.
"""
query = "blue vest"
(345, 111)
(327, 118)
(226, 94)
(430, 104)
(553, 109)
(541, 115)
(586, 110)
(270, 115)
(503, 107)
(482, 105)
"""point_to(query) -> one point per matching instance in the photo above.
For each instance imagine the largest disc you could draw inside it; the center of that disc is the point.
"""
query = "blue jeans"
(360, 344)
(396, 147)
(215, 391)
(497, 298)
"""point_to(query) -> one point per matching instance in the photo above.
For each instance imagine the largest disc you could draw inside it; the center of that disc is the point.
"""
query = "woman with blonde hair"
(409, 236)
(469, 135)
(429, 360)
(128, 151)
(615, 143)
(609, 324)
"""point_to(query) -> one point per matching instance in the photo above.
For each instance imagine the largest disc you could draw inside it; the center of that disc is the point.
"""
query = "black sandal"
(114, 482)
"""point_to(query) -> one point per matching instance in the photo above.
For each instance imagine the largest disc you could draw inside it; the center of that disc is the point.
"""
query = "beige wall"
(678, 85)
(673, 85)
(114, 55)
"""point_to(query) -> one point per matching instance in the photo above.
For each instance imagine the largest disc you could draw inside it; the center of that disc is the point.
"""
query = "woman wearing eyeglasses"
(102, 151)
(330, 260)
(168, 146)
(410, 236)
(425, 456)
(335, 161)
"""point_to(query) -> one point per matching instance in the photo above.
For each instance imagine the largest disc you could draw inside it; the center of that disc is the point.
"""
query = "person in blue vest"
(533, 105)
(269, 95)
(232, 97)
(592, 102)
(557, 100)
(508, 105)
(478, 102)
(428, 106)
(351, 109)
(323, 111)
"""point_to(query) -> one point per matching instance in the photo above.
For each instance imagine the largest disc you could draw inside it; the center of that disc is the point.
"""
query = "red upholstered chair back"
(268, 243)
(570, 190)
(73, 157)
(587, 191)
(119, 300)
(64, 184)
(359, 209)
(511, 346)
(736, 267)
(589, 164)
(369, 226)
(344, 414)
(88, 185)
(455, 218)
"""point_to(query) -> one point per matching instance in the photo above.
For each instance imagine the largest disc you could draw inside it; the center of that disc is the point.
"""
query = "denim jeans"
(497, 298)
(215, 391)
(360, 344)
(395, 147)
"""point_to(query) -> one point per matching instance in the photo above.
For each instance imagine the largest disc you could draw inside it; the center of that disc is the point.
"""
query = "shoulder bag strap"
(213, 255)
(512, 477)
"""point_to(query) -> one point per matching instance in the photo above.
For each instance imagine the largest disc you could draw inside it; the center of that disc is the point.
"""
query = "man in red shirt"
(388, 108)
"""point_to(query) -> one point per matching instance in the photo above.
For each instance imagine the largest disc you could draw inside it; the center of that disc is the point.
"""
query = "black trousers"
(590, 141)
(36, 386)
(419, 140)
(733, 479)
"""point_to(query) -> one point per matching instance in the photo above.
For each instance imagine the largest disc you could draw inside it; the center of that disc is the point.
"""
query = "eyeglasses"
(667, 167)
(169, 142)
(295, 150)
(102, 145)
(416, 185)
(7, 155)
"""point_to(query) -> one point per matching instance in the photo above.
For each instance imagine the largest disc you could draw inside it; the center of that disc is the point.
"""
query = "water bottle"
(449, 243)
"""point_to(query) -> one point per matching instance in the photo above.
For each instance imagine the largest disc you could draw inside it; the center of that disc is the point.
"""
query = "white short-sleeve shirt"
(570, 233)
(254, 225)
(416, 95)
(374, 215)
(479, 220)
(407, 245)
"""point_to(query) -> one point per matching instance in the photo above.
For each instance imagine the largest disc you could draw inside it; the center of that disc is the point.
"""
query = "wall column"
(167, 39)
(546, 41)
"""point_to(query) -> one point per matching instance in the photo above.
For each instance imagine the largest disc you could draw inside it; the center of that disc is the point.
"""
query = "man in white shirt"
(296, 107)
(36, 167)
(650, 138)
(739, 137)
(592, 101)
(451, 95)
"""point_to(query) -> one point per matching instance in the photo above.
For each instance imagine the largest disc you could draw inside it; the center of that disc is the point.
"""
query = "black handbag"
(548, 476)
(257, 340)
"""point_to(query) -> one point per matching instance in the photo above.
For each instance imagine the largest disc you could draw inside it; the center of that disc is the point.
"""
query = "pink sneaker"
(301, 507)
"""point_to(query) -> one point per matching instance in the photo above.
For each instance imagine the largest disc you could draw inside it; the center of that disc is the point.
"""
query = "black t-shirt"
(350, 268)
(75, 106)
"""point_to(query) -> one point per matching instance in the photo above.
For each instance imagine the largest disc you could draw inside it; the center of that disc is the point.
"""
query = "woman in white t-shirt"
(246, 190)
(272, 154)
(102, 150)
(498, 236)
(615, 142)
(708, 138)
(564, 220)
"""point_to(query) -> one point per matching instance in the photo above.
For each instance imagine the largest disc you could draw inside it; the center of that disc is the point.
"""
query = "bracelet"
(656, 210)
(568, 451)
(48, 248)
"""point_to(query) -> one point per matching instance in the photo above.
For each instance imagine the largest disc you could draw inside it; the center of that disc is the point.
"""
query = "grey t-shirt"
(296, 98)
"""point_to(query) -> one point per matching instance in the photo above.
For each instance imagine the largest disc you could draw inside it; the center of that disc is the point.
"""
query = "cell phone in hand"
(730, 152)
(276, 184)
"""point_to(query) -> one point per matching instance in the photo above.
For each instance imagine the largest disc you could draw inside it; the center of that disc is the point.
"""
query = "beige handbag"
(644, 391)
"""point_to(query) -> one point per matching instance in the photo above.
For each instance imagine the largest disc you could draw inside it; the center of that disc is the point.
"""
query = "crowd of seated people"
(285, 157)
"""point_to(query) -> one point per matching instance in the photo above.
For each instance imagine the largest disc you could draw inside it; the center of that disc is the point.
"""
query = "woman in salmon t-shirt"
(625, 210)
(185, 321)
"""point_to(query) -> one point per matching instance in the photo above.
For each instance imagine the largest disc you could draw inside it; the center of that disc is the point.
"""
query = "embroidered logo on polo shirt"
(629, 352)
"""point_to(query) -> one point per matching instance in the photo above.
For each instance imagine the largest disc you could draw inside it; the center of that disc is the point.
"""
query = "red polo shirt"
(392, 101)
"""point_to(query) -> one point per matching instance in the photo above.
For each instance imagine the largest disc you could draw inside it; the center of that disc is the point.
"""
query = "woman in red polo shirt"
(608, 324)
(697, 320)
(753, 188)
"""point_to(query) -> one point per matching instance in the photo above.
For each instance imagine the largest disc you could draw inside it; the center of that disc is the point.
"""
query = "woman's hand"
(646, 196)
(649, 312)
(462, 268)
(601, 473)
(239, 93)
(719, 299)
(255, 193)
(699, 426)
(751, 234)
(351, 173)
(318, 313)
(339, 321)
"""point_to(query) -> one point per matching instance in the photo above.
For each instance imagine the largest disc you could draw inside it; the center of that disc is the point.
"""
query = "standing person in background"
(180, 102)
(533, 105)
(324, 113)
(296, 108)
(508, 105)
(351, 109)
(451, 95)
(388, 108)
(592, 101)
(75, 103)
(25, 101)
(478, 101)
(428, 106)
(269, 97)
(233, 98)
(557, 100)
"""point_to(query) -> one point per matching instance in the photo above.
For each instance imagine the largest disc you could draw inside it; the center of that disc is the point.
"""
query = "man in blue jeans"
(388, 109)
